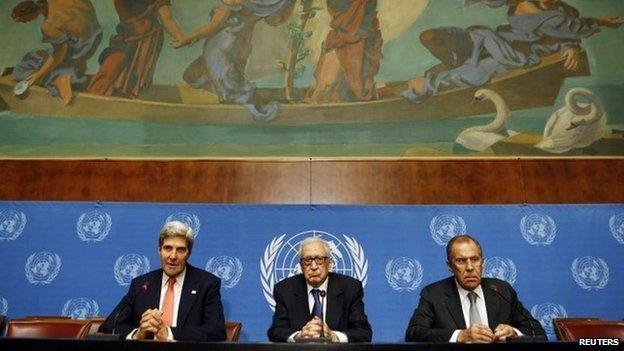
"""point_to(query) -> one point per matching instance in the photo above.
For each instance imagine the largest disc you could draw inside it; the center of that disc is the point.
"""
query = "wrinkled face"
(466, 264)
(174, 253)
(315, 264)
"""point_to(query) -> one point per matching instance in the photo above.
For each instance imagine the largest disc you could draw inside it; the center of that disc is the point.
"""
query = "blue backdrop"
(77, 258)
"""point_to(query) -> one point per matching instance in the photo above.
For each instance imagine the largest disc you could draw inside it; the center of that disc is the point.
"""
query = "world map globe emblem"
(130, 266)
(12, 224)
(228, 269)
(546, 312)
(42, 267)
(81, 308)
(616, 225)
(500, 268)
(404, 273)
(590, 273)
(93, 226)
(444, 227)
(4, 306)
(281, 259)
(189, 219)
(538, 229)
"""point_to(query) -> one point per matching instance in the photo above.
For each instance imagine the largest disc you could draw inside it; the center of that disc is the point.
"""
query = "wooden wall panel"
(318, 181)
(157, 181)
(416, 182)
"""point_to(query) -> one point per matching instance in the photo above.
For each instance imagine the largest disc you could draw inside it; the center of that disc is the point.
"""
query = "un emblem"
(404, 274)
(616, 224)
(12, 224)
(42, 267)
(590, 273)
(189, 219)
(81, 308)
(538, 229)
(500, 268)
(445, 227)
(281, 259)
(546, 312)
(4, 306)
(229, 269)
(93, 226)
(130, 266)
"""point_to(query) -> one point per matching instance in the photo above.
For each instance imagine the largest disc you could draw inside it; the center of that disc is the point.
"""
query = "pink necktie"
(167, 306)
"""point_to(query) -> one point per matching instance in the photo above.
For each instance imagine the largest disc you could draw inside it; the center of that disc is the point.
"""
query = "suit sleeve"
(359, 328)
(280, 328)
(212, 325)
(120, 320)
(422, 326)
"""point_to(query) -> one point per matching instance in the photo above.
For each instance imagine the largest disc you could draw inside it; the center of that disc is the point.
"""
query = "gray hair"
(315, 240)
(176, 229)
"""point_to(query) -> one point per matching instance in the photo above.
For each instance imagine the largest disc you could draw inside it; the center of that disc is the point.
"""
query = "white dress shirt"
(177, 293)
(342, 337)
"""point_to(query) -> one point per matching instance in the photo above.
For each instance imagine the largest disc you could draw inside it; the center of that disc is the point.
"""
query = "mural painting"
(312, 78)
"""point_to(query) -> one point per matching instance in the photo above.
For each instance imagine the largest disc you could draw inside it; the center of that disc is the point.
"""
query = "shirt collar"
(179, 278)
(463, 293)
(321, 287)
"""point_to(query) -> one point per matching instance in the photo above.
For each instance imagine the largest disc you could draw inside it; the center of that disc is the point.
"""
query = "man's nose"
(469, 265)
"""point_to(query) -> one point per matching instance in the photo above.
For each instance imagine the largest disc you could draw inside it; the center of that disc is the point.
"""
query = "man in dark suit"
(468, 308)
(176, 302)
(302, 301)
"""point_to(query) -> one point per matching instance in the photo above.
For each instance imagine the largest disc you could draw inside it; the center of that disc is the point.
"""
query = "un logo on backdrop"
(281, 259)
(445, 227)
(404, 274)
(590, 273)
(546, 312)
(500, 268)
(229, 269)
(4, 306)
(12, 224)
(93, 226)
(538, 229)
(130, 266)
(189, 219)
(42, 267)
(81, 308)
(616, 224)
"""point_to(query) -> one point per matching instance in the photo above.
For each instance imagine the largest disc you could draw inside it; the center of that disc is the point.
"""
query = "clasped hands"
(313, 329)
(479, 333)
(152, 325)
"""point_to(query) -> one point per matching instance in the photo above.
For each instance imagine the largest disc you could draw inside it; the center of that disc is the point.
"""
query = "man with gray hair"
(317, 303)
(176, 302)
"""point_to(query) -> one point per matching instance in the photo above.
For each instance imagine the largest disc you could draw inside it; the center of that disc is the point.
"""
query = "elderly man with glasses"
(317, 303)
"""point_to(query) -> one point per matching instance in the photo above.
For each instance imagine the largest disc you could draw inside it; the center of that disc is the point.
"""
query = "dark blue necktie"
(317, 310)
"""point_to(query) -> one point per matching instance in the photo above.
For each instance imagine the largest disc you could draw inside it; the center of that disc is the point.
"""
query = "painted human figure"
(536, 28)
(72, 28)
(351, 53)
(127, 66)
(227, 46)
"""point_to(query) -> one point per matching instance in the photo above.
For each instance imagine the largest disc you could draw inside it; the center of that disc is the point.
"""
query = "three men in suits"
(176, 302)
(318, 303)
(467, 307)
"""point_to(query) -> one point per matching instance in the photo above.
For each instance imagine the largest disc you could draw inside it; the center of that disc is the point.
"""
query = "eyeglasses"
(306, 261)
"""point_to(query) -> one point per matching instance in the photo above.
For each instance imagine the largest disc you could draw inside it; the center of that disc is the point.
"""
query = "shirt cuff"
(129, 336)
(291, 338)
(455, 336)
(342, 337)
(518, 333)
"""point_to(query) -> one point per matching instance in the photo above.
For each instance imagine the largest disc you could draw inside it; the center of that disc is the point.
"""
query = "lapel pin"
(193, 292)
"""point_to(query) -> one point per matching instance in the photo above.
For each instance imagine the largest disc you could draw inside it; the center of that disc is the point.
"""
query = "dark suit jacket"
(200, 314)
(439, 312)
(345, 308)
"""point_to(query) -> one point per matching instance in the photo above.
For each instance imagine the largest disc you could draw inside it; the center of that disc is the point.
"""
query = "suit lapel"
(152, 288)
(491, 305)
(453, 305)
(334, 303)
(190, 291)
(300, 296)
